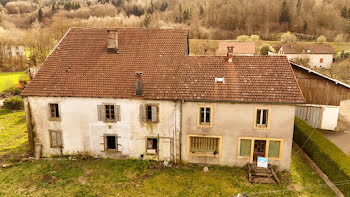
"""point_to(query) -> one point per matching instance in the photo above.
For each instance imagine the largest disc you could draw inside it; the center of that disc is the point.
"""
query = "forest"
(38, 25)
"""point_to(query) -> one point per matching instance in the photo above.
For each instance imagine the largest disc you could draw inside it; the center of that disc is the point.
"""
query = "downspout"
(180, 133)
(174, 136)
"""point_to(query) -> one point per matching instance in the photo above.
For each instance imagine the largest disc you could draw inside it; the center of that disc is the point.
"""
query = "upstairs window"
(205, 114)
(149, 113)
(109, 112)
(321, 60)
(54, 111)
(262, 118)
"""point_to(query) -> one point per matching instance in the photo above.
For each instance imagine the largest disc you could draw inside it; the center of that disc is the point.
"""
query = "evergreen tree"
(344, 13)
(284, 17)
(163, 6)
(40, 15)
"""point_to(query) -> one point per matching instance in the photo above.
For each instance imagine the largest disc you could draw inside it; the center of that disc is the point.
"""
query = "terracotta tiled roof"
(167, 72)
(307, 49)
(242, 48)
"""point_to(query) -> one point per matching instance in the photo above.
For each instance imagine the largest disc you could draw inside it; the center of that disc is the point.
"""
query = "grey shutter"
(117, 110)
(142, 113)
(54, 138)
(100, 112)
(154, 114)
(59, 138)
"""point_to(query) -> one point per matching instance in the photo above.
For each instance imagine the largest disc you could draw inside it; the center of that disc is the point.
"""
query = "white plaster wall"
(329, 117)
(315, 59)
(82, 132)
(234, 120)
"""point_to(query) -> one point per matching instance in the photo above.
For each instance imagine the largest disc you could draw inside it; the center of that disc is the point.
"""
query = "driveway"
(340, 138)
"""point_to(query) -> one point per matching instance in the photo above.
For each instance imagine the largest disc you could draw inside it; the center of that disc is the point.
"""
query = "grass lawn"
(7, 80)
(107, 177)
(13, 139)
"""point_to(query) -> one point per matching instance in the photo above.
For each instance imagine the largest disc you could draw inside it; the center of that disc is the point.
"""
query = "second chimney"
(229, 54)
(112, 46)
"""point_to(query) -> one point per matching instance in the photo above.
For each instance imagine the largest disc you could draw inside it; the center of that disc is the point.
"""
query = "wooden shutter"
(117, 110)
(59, 138)
(154, 114)
(100, 112)
(53, 139)
(142, 113)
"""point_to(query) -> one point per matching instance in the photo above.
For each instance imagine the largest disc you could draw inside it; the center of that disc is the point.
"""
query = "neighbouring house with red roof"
(131, 92)
(240, 48)
(318, 55)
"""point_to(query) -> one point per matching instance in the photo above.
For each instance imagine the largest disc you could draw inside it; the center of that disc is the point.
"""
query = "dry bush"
(20, 7)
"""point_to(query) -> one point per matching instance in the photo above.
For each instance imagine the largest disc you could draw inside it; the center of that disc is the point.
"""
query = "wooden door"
(259, 149)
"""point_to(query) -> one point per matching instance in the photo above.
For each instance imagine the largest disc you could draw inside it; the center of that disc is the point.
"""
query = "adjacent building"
(318, 55)
(240, 48)
(131, 92)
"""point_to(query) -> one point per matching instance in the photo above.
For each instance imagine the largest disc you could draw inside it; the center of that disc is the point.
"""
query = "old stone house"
(132, 92)
(318, 55)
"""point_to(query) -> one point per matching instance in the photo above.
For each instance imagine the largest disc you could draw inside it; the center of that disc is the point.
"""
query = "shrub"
(343, 54)
(14, 103)
(254, 38)
(266, 48)
(243, 38)
(288, 37)
(332, 161)
(321, 39)
(339, 38)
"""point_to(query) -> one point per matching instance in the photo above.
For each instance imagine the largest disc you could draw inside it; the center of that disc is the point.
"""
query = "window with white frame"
(204, 116)
(262, 118)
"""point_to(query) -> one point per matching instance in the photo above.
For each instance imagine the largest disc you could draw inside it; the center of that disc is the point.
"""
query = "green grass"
(13, 138)
(108, 177)
(7, 80)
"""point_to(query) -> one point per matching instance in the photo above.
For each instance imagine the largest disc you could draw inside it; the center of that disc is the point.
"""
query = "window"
(205, 116)
(245, 147)
(262, 118)
(274, 148)
(204, 145)
(149, 113)
(152, 145)
(109, 113)
(55, 139)
(111, 143)
(321, 60)
(54, 112)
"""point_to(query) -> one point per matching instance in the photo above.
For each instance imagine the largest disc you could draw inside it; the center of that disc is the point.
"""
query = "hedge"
(328, 157)
(14, 103)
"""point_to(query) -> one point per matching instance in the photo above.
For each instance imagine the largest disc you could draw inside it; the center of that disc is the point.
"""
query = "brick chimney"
(112, 46)
(139, 84)
(229, 54)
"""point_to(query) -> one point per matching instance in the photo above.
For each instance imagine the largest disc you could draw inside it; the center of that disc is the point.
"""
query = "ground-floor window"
(111, 142)
(204, 145)
(55, 138)
(152, 145)
(249, 147)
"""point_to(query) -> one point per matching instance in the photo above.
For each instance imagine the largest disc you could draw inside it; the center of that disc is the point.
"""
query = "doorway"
(259, 149)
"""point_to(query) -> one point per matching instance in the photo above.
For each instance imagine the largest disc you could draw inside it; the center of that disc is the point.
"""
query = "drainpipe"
(180, 133)
(174, 136)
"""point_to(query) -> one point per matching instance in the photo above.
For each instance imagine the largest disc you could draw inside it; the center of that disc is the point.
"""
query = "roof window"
(219, 79)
